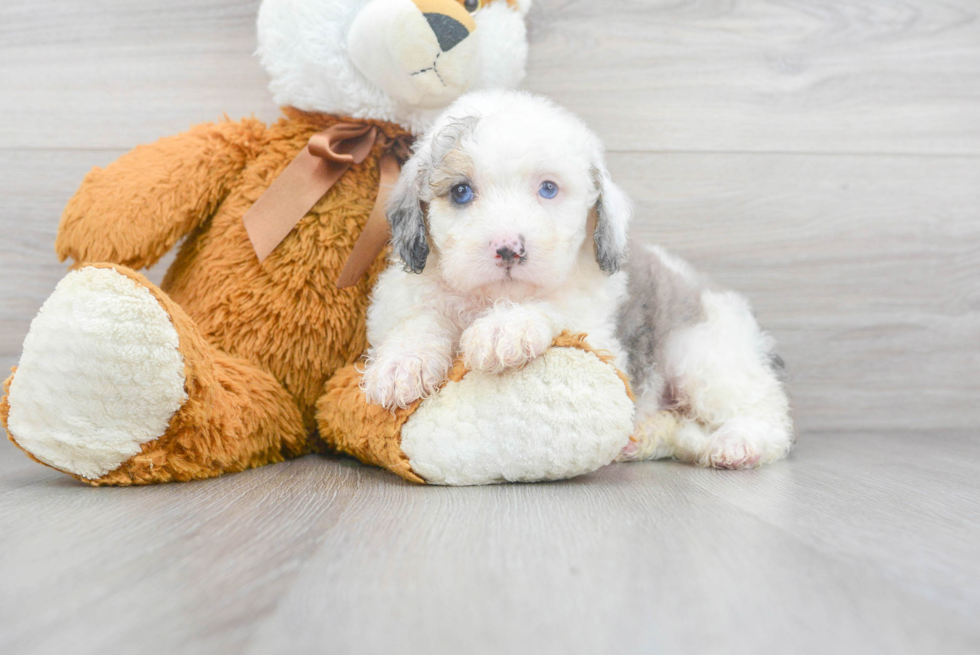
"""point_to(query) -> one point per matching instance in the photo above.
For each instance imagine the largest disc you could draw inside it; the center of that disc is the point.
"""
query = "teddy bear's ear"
(408, 232)
(523, 6)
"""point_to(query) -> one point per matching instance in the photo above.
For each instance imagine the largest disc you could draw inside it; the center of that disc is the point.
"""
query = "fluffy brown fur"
(351, 425)
(237, 416)
(372, 434)
(259, 340)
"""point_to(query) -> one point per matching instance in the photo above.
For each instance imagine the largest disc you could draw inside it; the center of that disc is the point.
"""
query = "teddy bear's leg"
(116, 385)
(566, 413)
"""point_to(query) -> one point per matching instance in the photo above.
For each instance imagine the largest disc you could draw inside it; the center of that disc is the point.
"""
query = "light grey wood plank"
(116, 73)
(668, 570)
(859, 543)
(874, 500)
(746, 75)
(780, 76)
(89, 569)
(34, 188)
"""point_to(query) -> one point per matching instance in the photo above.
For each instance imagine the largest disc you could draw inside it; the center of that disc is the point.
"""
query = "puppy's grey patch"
(609, 259)
(456, 168)
(406, 215)
(407, 220)
(609, 256)
(659, 301)
(449, 164)
(778, 366)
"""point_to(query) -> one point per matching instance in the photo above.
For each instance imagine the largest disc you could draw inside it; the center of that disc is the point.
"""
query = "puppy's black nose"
(447, 29)
(509, 255)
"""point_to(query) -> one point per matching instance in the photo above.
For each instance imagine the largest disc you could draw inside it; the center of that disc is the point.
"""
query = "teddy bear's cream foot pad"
(483, 430)
(100, 375)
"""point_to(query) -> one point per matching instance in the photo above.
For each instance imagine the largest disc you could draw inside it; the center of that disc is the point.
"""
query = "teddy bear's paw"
(505, 339)
(100, 375)
(397, 379)
(564, 414)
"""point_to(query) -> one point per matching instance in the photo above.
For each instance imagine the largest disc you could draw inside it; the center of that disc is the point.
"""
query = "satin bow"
(319, 166)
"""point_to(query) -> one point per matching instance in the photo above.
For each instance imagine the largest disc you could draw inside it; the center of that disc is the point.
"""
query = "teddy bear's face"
(396, 60)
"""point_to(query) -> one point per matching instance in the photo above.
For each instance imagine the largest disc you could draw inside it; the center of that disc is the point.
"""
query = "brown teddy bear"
(225, 365)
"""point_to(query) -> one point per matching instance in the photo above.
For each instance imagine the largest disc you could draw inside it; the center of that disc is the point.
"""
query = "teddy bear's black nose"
(447, 29)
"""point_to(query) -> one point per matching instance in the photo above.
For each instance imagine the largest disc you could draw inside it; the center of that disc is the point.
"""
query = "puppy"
(507, 230)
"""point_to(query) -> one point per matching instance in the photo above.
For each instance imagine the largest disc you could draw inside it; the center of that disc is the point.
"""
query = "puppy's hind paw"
(744, 442)
(729, 451)
(652, 438)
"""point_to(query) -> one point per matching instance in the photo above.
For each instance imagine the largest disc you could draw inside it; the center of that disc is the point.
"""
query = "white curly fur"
(466, 300)
(483, 429)
(736, 412)
(708, 389)
(99, 330)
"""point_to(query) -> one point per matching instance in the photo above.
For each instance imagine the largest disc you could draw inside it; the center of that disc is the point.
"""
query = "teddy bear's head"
(395, 60)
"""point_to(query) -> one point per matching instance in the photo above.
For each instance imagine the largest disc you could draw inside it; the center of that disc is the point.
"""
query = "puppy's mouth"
(514, 272)
(509, 266)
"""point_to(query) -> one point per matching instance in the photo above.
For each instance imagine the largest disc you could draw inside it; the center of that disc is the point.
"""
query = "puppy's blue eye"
(548, 190)
(462, 194)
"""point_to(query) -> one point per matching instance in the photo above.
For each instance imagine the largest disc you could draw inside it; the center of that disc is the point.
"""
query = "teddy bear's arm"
(137, 208)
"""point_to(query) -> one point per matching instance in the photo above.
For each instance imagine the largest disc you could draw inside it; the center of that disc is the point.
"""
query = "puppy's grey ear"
(613, 211)
(407, 220)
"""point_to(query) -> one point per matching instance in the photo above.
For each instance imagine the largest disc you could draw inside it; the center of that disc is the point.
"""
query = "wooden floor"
(823, 157)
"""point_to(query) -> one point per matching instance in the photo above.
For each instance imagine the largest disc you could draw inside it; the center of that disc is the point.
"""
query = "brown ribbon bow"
(315, 170)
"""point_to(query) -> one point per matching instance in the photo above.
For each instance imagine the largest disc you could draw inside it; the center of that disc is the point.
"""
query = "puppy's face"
(503, 195)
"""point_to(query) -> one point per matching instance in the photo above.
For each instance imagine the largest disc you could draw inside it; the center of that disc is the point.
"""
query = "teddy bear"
(246, 354)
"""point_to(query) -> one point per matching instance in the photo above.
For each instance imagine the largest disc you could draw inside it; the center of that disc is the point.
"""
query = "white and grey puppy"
(507, 230)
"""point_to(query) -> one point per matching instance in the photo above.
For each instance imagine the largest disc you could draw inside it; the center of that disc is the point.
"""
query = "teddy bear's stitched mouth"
(433, 68)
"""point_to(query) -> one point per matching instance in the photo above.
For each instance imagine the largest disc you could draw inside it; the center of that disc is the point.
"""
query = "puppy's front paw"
(504, 340)
(399, 379)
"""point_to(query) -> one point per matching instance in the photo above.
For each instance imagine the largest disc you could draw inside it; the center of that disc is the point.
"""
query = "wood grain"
(859, 543)
(749, 76)
(116, 73)
(822, 157)
(691, 561)
(744, 75)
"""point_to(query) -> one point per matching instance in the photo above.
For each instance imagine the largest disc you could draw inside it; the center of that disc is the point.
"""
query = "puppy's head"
(507, 194)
